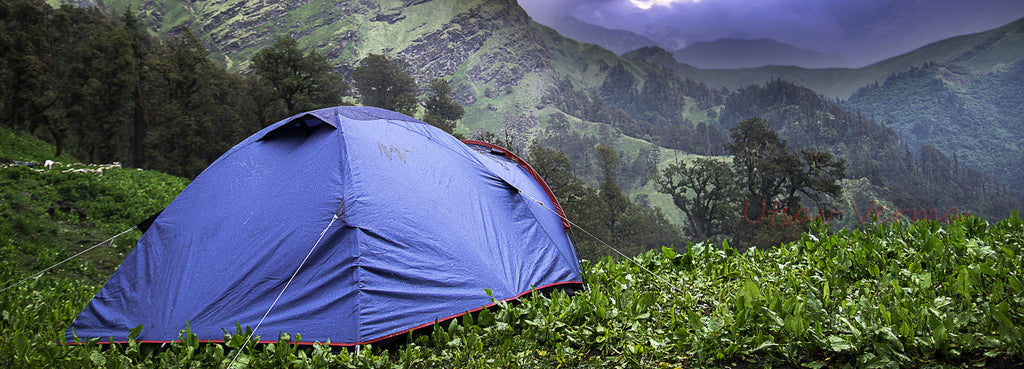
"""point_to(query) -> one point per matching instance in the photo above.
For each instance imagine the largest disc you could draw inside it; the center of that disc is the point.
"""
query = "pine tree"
(384, 83)
(302, 81)
(441, 111)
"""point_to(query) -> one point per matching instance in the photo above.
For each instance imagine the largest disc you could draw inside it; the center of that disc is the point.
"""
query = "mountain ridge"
(615, 40)
(838, 83)
(728, 53)
(969, 106)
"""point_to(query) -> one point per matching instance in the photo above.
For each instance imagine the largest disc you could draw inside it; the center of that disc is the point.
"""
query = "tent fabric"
(425, 223)
(520, 180)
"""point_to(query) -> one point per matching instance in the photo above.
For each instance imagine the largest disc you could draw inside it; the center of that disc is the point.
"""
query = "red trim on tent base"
(393, 335)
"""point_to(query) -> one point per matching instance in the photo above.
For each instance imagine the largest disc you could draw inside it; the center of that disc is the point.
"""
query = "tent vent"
(304, 125)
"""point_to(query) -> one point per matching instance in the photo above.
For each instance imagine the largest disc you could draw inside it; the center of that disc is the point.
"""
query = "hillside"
(518, 80)
(500, 63)
(970, 106)
(48, 213)
(494, 54)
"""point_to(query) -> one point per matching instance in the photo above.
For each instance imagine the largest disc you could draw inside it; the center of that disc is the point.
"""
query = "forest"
(951, 101)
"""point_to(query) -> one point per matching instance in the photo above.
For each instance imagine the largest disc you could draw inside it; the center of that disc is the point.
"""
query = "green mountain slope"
(971, 106)
(491, 47)
(499, 61)
(874, 153)
(48, 213)
(976, 116)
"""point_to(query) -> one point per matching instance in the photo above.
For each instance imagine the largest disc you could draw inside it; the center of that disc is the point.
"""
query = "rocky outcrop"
(514, 50)
(487, 45)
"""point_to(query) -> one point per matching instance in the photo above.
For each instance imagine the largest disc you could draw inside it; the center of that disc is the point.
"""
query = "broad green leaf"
(839, 344)
(1014, 219)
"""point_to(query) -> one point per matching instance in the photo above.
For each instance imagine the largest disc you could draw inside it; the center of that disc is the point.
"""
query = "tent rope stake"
(303, 263)
(110, 240)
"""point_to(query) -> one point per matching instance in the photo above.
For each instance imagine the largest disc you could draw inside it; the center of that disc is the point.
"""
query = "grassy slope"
(113, 199)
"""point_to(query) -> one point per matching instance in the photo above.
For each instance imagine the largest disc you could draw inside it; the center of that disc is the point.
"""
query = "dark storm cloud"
(863, 30)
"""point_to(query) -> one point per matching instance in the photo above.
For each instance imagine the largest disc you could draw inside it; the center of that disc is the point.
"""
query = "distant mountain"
(837, 83)
(617, 41)
(729, 53)
(962, 95)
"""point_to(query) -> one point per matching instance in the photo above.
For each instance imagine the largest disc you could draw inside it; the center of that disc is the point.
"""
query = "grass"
(922, 295)
(28, 148)
(50, 213)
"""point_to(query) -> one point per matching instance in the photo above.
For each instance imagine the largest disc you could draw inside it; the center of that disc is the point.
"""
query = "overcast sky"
(864, 31)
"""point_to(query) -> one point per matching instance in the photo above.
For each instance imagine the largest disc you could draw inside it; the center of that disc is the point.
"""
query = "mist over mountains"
(616, 41)
(864, 32)
(726, 53)
(739, 54)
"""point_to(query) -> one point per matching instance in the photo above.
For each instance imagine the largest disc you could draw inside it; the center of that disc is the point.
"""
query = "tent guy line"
(566, 219)
(110, 240)
(253, 333)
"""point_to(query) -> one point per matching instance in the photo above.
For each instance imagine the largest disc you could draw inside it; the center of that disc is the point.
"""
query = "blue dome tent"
(396, 224)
